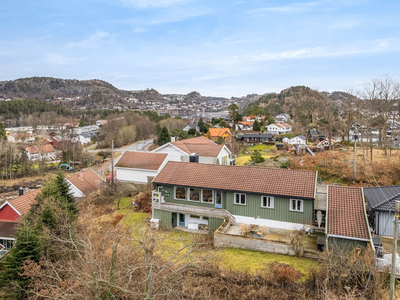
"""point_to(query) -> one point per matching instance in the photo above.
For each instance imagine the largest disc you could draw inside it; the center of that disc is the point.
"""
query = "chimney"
(21, 191)
(173, 138)
(81, 174)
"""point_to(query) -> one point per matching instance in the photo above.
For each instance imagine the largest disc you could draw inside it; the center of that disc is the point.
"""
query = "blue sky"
(217, 47)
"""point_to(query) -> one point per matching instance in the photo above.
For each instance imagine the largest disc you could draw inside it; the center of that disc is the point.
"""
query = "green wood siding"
(165, 218)
(214, 223)
(280, 212)
(345, 245)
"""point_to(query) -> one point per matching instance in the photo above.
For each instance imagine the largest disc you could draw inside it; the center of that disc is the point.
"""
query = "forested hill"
(49, 88)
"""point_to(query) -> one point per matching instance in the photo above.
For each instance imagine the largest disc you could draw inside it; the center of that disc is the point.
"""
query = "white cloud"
(139, 30)
(90, 42)
(152, 3)
(295, 7)
(345, 24)
(57, 59)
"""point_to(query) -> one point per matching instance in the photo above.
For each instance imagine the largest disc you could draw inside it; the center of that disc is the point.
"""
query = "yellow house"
(214, 133)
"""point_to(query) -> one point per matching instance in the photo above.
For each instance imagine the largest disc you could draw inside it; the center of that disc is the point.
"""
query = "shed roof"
(291, 183)
(382, 198)
(141, 160)
(90, 182)
(256, 135)
(346, 214)
(200, 145)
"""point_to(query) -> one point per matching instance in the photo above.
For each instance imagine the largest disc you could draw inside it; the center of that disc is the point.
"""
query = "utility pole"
(355, 157)
(112, 163)
(394, 252)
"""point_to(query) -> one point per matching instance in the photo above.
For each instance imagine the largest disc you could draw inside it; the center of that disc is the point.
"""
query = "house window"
(240, 199)
(7, 244)
(194, 217)
(180, 193)
(267, 202)
(194, 194)
(296, 205)
(224, 161)
(207, 196)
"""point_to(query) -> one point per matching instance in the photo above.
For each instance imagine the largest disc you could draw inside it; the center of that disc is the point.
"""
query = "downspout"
(366, 220)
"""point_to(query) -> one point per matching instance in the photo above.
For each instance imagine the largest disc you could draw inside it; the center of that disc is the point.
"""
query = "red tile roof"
(218, 131)
(200, 145)
(141, 160)
(47, 148)
(23, 203)
(90, 183)
(32, 149)
(346, 215)
(291, 183)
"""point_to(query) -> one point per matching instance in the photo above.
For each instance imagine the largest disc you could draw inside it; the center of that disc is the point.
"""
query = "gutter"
(347, 237)
(316, 182)
(366, 220)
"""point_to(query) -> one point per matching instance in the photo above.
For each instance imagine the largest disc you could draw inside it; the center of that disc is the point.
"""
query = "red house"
(10, 213)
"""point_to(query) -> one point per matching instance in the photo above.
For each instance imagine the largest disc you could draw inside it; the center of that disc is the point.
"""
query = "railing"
(181, 208)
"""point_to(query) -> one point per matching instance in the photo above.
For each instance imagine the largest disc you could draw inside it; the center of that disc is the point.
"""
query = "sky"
(216, 47)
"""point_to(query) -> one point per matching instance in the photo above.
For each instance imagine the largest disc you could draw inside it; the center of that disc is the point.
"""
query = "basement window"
(267, 202)
(296, 205)
(240, 199)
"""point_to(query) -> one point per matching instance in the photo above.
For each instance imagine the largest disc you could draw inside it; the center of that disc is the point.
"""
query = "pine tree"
(26, 247)
(202, 126)
(256, 126)
(65, 196)
(163, 137)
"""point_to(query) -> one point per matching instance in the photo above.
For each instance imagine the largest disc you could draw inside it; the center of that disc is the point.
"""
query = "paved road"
(138, 146)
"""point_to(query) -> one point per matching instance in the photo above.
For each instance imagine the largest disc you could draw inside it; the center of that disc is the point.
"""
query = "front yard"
(241, 260)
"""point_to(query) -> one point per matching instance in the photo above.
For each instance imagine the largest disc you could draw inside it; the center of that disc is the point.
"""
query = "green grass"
(253, 261)
(231, 259)
(261, 147)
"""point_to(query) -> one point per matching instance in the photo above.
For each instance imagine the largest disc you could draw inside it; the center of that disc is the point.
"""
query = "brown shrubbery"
(143, 202)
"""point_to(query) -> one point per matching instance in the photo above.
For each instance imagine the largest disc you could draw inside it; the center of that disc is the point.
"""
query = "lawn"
(253, 261)
(231, 259)
(243, 158)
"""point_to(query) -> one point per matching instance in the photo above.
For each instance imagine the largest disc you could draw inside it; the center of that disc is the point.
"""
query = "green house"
(202, 196)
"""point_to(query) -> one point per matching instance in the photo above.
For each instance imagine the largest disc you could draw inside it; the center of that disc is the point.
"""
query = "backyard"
(245, 153)
(246, 261)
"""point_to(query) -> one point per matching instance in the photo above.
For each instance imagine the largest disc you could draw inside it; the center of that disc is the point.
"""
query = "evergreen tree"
(256, 126)
(163, 137)
(202, 126)
(158, 129)
(27, 247)
(257, 157)
(65, 196)
(192, 131)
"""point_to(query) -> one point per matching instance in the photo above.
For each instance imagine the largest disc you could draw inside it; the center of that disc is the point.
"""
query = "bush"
(285, 274)
(285, 165)
(256, 157)
(143, 202)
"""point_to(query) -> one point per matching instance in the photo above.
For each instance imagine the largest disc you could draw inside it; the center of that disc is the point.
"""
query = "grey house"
(381, 204)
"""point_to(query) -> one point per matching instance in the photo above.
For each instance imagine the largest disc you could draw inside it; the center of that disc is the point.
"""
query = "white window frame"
(301, 205)
(175, 193)
(234, 198)
(188, 195)
(272, 200)
(212, 195)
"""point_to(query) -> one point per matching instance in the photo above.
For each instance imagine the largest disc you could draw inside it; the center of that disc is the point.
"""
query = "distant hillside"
(52, 88)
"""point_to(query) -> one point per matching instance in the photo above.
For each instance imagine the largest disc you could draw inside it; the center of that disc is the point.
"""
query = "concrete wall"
(234, 241)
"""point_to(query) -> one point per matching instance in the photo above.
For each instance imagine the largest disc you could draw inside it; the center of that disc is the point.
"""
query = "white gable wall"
(74, 190)
(134, 175)
(173, 153)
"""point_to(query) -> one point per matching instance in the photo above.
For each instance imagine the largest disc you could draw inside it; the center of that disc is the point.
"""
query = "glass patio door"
(218, 199)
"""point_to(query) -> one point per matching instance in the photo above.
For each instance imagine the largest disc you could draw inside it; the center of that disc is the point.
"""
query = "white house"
(279, 128)
(298, 140)
(191, 126)
(83, 183)
(83, 138)
(282, 118)
(139, 167)
(45, 152)
(208, 152)
(101, 122)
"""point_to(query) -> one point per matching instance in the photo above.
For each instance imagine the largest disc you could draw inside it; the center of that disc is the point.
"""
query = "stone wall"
(130, 188)
(249, 243)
